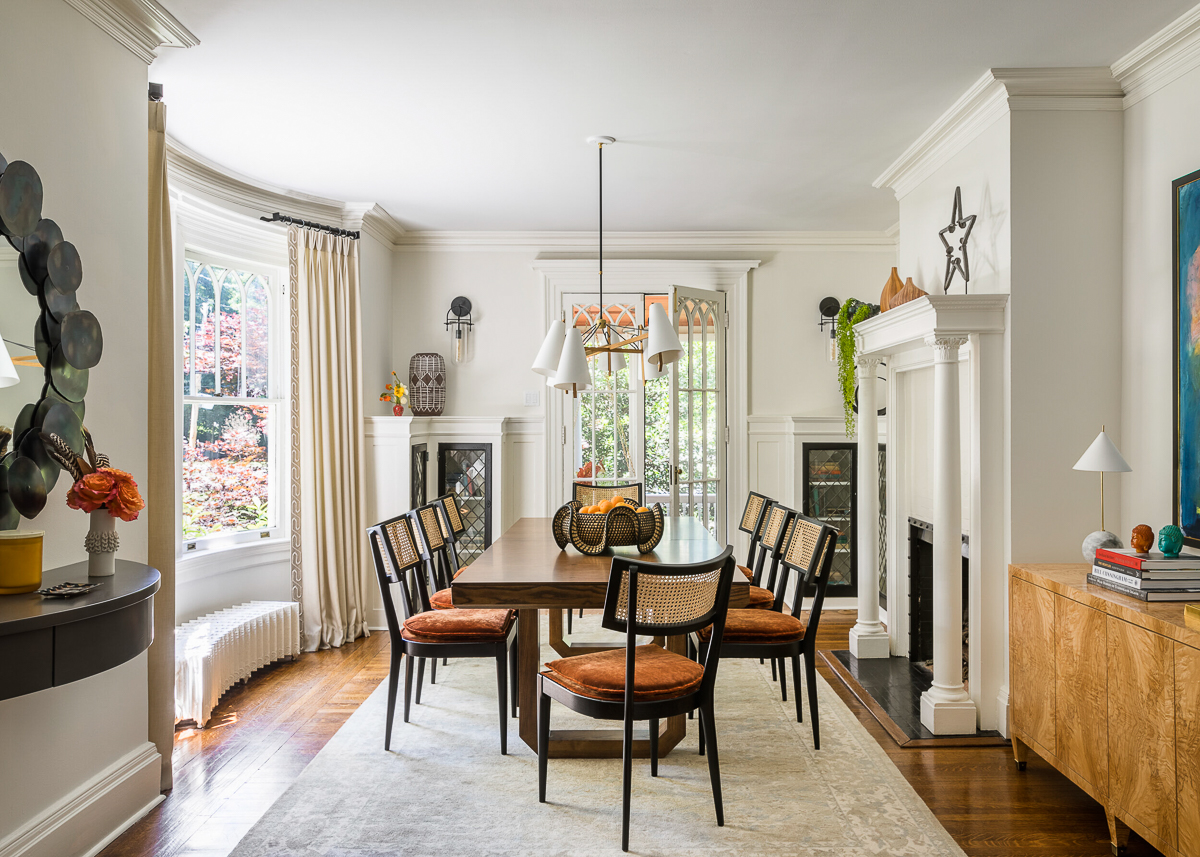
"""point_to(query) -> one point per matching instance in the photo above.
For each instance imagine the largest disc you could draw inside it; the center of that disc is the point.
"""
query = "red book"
(1154, 559)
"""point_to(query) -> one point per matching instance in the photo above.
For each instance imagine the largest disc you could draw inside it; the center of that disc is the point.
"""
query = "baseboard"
(1002, 711)
(81, 823)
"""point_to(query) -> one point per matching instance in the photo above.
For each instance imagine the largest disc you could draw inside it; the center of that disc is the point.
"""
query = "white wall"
(1160, 146)
(83, 127)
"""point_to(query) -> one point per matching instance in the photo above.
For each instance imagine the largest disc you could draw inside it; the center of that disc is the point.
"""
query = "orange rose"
(127, 500)
(93, 491)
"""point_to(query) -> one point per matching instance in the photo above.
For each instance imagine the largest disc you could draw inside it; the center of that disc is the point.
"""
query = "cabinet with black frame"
(466, 469)
(830, 495)
(420, 465)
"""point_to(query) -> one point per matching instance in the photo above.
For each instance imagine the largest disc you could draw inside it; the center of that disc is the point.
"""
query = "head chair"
(669, 600)
(809, 553)
(397, 562)
(752, 517)
(590, 495)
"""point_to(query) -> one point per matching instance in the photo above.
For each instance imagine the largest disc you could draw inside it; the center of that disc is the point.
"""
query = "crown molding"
(189, 172)
(998, 92)
(1164, 57)
(585, 242)
(141, 26)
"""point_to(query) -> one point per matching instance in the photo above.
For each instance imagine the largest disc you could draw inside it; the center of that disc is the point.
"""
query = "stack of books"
(1147, 576)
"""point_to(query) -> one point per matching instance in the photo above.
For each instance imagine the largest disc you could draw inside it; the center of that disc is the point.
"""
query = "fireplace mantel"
(907, 326)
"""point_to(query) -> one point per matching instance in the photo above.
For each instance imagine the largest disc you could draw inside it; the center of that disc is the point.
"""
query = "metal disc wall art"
(66, 339)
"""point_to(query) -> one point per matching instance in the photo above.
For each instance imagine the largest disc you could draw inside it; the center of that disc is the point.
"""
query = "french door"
(699, 430)
(667, 433)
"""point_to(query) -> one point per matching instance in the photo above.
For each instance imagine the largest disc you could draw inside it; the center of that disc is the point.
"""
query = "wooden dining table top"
(525, 568)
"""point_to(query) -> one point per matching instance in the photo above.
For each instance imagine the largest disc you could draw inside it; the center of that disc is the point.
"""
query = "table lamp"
(1103, 457)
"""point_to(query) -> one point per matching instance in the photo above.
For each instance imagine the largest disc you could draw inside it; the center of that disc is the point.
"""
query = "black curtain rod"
(333, 230)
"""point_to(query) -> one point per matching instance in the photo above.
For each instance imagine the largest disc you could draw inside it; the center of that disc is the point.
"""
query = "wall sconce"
(459, 316)
(829, 308)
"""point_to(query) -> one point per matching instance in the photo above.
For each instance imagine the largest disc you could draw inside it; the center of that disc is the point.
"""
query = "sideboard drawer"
(1081, 691)
(1031, 648)
(1187, 745)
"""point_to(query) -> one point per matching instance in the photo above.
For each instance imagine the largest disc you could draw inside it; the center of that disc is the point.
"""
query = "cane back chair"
(751, 525)
(781, 635)
(425, 633)
(590, 495)
(646, 682)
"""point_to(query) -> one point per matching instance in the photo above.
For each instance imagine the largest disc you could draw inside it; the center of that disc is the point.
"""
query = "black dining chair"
(646, 682)
(589, 495)
(751, 525)
(781, 635)
(427, 633)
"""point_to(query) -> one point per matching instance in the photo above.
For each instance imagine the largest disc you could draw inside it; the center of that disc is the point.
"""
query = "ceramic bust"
(1142, 539)
(1170, 540)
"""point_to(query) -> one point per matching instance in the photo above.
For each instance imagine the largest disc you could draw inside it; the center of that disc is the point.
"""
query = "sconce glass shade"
(547, 359)
(662, 344)
(460, 344)
(573, 369)
(8, 372)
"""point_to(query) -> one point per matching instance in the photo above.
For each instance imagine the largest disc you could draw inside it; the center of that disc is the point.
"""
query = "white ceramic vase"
(101, 544)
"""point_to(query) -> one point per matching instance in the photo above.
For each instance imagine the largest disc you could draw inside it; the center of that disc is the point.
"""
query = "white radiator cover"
(214, 652)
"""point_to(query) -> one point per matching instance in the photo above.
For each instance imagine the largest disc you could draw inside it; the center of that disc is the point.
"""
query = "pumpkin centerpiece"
(614, 520)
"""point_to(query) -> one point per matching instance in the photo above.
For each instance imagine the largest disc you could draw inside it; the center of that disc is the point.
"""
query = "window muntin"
(231, 413)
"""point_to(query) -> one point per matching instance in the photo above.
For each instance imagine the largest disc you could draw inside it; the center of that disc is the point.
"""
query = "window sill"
(231, 558)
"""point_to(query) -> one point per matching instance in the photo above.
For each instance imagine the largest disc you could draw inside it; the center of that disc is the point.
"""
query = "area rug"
(444, 789)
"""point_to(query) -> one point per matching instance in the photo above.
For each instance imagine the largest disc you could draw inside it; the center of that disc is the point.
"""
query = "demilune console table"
(48, 642)
(1106, 688)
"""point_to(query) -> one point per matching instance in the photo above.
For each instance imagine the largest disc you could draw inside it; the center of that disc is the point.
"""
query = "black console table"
(48, 642)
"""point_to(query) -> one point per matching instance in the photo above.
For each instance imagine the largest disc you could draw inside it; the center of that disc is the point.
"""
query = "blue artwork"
(1186, 265)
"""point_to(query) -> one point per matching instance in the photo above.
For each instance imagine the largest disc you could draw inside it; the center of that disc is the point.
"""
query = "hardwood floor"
(264, 733)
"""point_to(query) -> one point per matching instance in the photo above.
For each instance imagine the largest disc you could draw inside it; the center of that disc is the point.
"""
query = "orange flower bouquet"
(103, 492)
(397, 394)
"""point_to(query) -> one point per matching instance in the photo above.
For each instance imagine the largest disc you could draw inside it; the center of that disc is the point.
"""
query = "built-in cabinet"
(1107, 690)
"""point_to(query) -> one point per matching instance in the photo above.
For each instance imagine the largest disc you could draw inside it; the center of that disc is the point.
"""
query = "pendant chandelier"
(564, 354)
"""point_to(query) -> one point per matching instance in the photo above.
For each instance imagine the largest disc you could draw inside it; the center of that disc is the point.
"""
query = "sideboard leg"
(1020, 753)
(1118, 832)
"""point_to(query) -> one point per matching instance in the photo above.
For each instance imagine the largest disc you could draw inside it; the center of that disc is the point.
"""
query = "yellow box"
(20, 561)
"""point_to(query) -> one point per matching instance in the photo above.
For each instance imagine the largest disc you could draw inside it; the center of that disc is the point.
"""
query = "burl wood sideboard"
(1106, 689)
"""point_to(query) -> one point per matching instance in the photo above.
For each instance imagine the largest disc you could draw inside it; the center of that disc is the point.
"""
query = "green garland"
(846, 346)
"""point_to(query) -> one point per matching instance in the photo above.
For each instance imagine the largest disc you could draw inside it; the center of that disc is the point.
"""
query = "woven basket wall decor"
(427, 384)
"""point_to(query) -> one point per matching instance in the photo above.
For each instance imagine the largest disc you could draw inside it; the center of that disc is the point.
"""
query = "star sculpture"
(957, 263)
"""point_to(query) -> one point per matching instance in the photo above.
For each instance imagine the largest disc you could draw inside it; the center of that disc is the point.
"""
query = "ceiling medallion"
(958, 263)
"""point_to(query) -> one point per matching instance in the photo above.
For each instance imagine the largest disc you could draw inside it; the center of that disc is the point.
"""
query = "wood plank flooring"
(264, 733)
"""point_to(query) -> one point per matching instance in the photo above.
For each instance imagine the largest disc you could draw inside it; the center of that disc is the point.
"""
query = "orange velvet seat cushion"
(458, 626)
(759, 626)
(442, 600)
(457, 573)
(760, 599)
(749, 574)
(658, 674)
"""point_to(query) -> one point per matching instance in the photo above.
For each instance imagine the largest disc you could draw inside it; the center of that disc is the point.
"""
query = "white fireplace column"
(946, 708)
(868, 637)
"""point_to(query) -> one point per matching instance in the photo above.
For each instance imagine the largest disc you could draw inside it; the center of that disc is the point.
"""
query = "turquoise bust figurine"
(1170, 540)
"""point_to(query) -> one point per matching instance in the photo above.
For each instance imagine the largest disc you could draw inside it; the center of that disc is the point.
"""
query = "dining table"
(525, 570)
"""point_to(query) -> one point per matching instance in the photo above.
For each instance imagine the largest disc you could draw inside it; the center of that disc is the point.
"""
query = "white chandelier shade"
(8, 372)
(651, 368)
(573, 373)
(662, 343)
(551, 351)
(618, 358)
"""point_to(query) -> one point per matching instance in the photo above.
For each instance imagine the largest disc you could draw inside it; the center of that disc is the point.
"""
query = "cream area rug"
(444, 789)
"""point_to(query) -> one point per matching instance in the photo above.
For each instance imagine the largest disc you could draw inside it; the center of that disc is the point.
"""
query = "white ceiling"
(472, 114)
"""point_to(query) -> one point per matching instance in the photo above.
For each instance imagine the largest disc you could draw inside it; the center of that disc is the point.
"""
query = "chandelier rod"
(600, 147)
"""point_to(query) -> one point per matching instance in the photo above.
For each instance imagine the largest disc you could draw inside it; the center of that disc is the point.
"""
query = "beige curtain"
(163, 438)
(328, 528)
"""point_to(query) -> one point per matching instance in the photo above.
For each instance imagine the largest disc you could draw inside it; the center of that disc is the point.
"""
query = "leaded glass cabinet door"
(466, 470)
(830, 496)
(699, 429)
(605, 422)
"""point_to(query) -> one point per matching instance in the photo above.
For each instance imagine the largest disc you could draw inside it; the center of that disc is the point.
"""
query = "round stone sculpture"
(427, 384)
(1097, 540)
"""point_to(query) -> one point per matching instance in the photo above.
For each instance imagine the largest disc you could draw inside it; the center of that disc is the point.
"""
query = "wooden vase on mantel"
(909, 293)
(890, 289)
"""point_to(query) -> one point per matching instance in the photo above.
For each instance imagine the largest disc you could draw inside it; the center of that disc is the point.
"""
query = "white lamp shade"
(8, 372)
(1102, 456)
(618, 358)
(548, 357)
(652, 370)
(573, 369)
(662, 343)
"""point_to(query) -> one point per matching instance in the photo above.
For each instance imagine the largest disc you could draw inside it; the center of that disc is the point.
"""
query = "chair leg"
(502, 693)
(774, 677)
(433, 671)
(513, 675)
(796, 682)
(543, 747)
(810, 675)
(714, 766)
(570, 613)
(626, 781)
(782, 680)
(700, 715)
(393, 681)
(408, 675)
(654, 747)
(420, 677)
